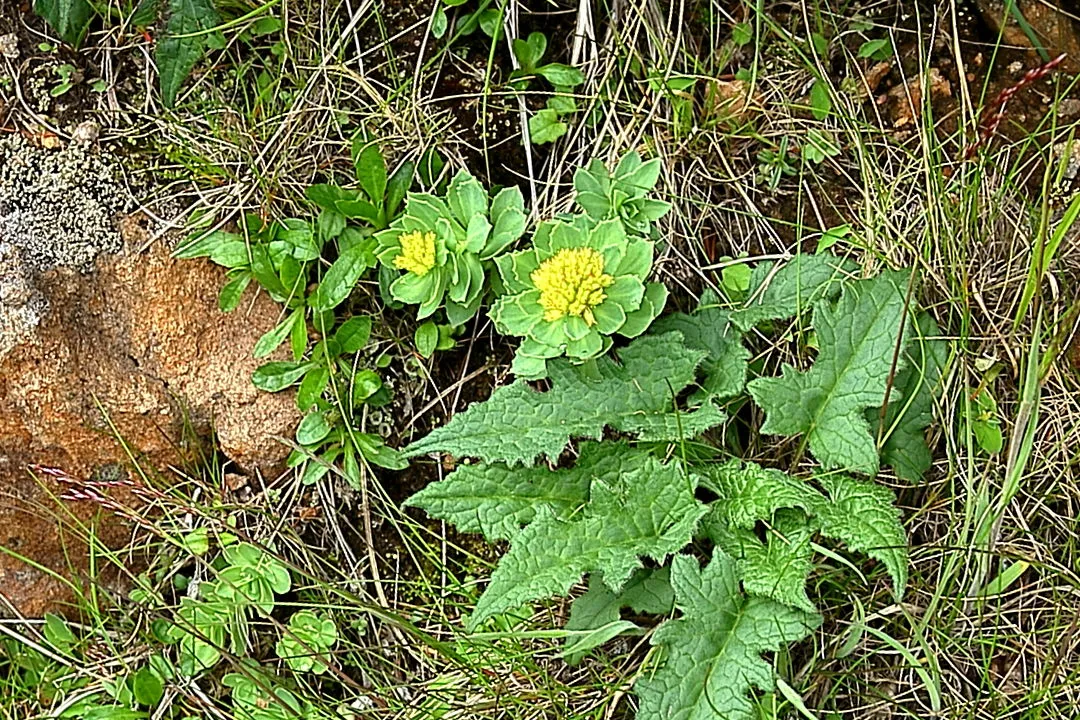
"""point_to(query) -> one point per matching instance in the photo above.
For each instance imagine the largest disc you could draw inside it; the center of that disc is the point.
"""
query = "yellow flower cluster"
(417, 252)
(571, 282)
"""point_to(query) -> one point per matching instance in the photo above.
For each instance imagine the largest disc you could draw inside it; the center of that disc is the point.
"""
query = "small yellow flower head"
(571, 282)
(417, 252)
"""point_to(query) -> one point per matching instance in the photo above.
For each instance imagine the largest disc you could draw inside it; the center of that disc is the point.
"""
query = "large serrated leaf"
(518, 424)
(828, 403)
(497, 500)
(796, 286)
(911, 406)
(183, 45)
(710, 329)
(862, 515)
(712, 654)
(777, 568)
(747, 493)
(651, 511)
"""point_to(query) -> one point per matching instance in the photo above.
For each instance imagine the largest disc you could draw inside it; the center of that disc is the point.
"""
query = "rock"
(904, 102)
(1050, 19)
(729, 101)
(134, 349)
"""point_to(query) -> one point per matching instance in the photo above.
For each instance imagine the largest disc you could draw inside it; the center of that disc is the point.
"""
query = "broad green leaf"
(748, 493)
(147, 687)
(517, 423)
(795, 287)
(68, 18)
(779, 567)
(862, 515)
(183, 44)
(272, 338)
(497, 501)
(711, 657)
(233, 291)
(205, 245)
(650, 512)
(911, 406)
(231, 254)
(559, 75)
(828, 403)
(196, 542)
(312, 388)
(313, 428)
(58, 633)
(439, 22)
(820, 99)
(709, 329)
(342, 277)
(353, 334)
(396, 188)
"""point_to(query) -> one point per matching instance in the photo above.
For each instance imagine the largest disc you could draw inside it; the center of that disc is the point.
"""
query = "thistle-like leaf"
(712, 655)
(911, 406)
(862, 515)
(497, 500)
(796, 286)
(518, 424)
(777, 568)
(828, 403)
(183, 45)
(748, 493)
(651, 511)
(710, 329)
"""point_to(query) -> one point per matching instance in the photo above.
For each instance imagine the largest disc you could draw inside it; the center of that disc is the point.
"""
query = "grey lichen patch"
(57, 208)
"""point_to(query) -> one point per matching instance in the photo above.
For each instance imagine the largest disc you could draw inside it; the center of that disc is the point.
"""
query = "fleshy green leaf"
(183, 44)
(828, 403)
(862, 515)
(517, 423)
(650, 512)
(794, 288)
(911, 406)
(712, 654)
(497, 501)
(710, 329)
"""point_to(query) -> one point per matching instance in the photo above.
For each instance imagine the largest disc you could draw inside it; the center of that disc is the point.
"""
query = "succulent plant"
(621, 194)
(440, 246)
(577, 286)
